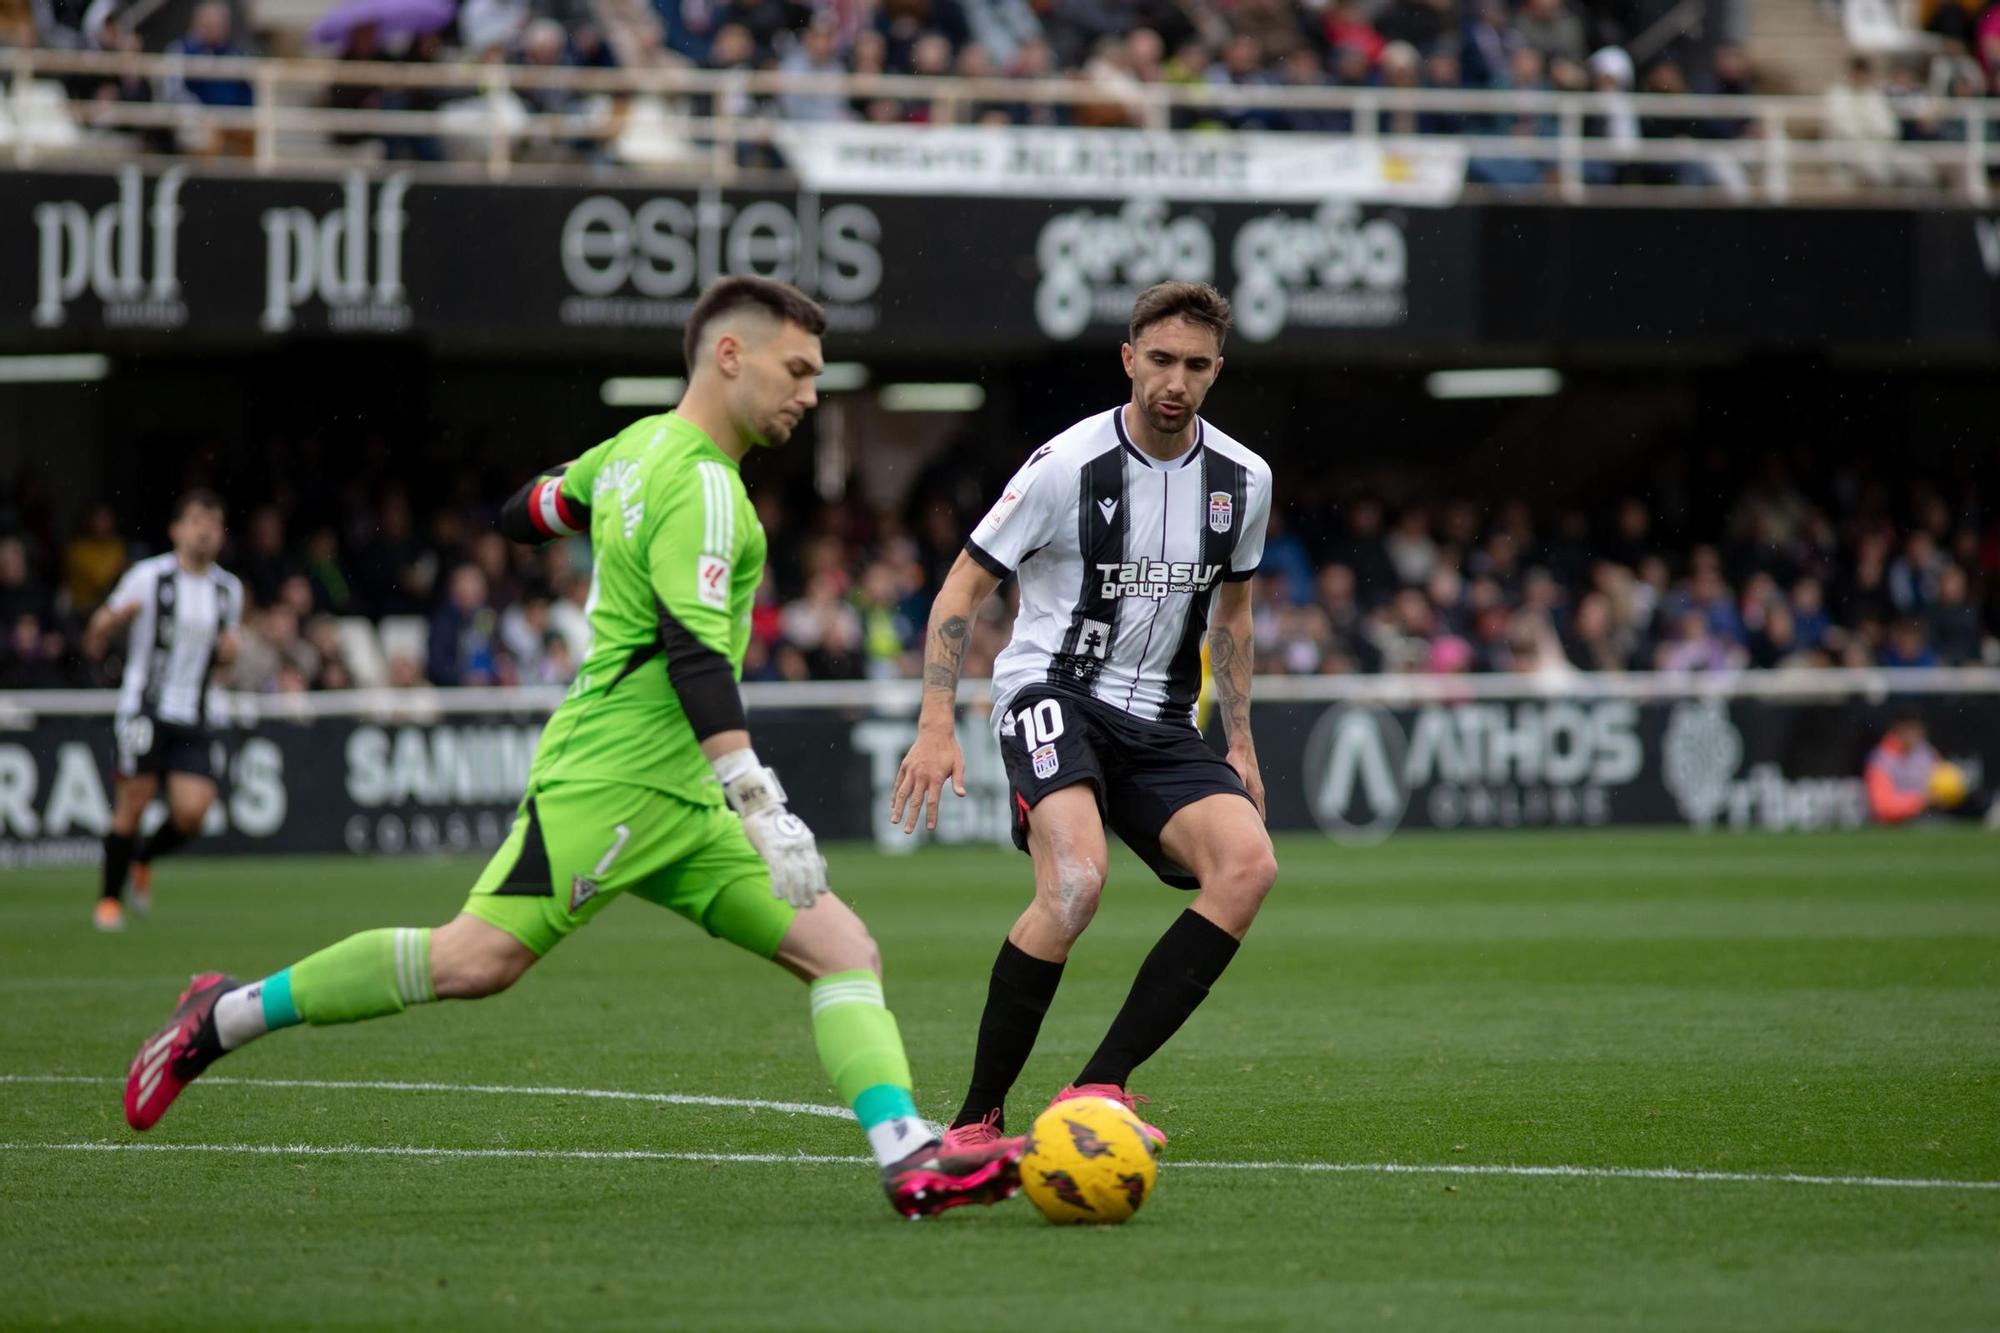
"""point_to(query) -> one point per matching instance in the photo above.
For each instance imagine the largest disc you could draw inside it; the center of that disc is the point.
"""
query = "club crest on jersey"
(581, 891)
(1221, 513)
(1046, 762)
(1154, 578)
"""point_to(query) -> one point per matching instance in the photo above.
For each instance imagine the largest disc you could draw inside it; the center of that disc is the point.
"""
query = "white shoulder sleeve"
(135, 587)
(1024, 518)
(1249, 552)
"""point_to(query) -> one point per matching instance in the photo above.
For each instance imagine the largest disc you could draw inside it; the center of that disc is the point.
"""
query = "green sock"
(364, 976)
(863, 1055)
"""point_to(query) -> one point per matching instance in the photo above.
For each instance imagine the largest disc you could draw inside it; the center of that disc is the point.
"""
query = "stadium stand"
(515, 75)
(1865, 566)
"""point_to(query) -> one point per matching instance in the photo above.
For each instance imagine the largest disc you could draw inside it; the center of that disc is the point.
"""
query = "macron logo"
(1107, 508)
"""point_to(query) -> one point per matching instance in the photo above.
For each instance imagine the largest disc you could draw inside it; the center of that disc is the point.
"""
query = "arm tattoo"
(946, 652)
(1230, 664)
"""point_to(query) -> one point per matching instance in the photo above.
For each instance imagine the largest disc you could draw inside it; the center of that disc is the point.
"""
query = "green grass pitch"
(1813, 1006)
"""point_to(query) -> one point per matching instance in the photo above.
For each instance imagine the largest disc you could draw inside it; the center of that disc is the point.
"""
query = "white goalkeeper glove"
(798, 871)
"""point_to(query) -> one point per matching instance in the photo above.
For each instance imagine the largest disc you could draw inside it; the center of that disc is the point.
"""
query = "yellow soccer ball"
(1088, 1160)
(1947, 785)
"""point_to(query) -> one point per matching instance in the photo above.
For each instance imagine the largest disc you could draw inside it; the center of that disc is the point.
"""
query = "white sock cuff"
(413, 966)
(239, 1016)
(847, 990)
(898, 1137)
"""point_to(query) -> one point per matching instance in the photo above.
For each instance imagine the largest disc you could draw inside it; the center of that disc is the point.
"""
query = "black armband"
(702, 677)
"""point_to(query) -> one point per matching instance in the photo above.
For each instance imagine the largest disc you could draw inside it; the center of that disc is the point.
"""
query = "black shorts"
(148, 746)
(1143, 771)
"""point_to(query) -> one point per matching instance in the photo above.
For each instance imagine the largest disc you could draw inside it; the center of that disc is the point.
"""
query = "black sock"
(1016, 1000)
(1172, 983)
(117, 861)
(166, 838)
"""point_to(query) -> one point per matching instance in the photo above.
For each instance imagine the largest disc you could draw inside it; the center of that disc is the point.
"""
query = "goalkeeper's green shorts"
(577, 845)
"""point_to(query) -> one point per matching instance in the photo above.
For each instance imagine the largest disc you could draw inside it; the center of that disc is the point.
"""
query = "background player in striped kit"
(1126, 532)
(183, 611)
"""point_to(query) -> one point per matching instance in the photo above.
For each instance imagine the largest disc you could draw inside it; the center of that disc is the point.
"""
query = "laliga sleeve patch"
(711, 582)
(1002, 510)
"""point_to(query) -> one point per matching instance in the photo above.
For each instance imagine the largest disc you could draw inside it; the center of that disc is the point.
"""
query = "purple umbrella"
(412, 17)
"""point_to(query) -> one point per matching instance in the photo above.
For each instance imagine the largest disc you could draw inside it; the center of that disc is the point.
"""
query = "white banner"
(1097, 164)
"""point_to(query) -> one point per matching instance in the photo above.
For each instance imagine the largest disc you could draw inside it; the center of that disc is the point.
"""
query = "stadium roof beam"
(843, 377)
(1522, 382)
(965, 397)
(81, 368)
(642, 391)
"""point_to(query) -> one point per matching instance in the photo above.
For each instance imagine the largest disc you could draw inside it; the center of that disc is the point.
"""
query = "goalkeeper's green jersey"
(673, 534)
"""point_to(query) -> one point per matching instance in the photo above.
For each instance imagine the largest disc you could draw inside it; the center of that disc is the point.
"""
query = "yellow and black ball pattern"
(1088, 1160)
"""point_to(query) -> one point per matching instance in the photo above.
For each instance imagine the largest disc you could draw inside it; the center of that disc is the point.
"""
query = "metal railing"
(723, 125)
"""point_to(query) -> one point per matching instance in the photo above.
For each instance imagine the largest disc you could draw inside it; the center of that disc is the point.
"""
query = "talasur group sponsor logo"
(643, 264)
(1485, 765)
(125, 253)
(1154, 578)
(349, 259)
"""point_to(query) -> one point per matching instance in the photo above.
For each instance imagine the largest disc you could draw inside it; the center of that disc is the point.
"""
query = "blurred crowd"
(1115, 51)
(1898, 578)
(1855, 571)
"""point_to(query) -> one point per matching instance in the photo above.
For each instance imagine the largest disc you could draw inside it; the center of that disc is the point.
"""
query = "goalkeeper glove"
(798, 871)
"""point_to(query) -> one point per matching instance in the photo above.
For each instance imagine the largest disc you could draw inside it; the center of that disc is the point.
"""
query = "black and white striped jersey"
(172, 643)
(1119, 556)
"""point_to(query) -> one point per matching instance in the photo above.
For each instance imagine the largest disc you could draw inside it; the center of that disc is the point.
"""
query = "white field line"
(1333, 1168)
(840, 1113)
(373, 1085)
(89, 983)
(403, 1150)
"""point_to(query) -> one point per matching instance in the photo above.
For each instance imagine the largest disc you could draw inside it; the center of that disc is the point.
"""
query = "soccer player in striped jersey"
(1133, 534)
(182, 611)
(644, 780)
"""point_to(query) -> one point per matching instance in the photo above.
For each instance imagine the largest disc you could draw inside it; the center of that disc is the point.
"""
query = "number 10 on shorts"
(1039, 725)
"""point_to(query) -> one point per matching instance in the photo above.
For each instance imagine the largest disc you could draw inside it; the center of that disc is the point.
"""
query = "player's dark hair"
(1195, 301)
(778, 299)
(199, 498)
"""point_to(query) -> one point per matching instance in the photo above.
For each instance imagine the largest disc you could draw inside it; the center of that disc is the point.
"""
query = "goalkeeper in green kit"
(644, 780)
